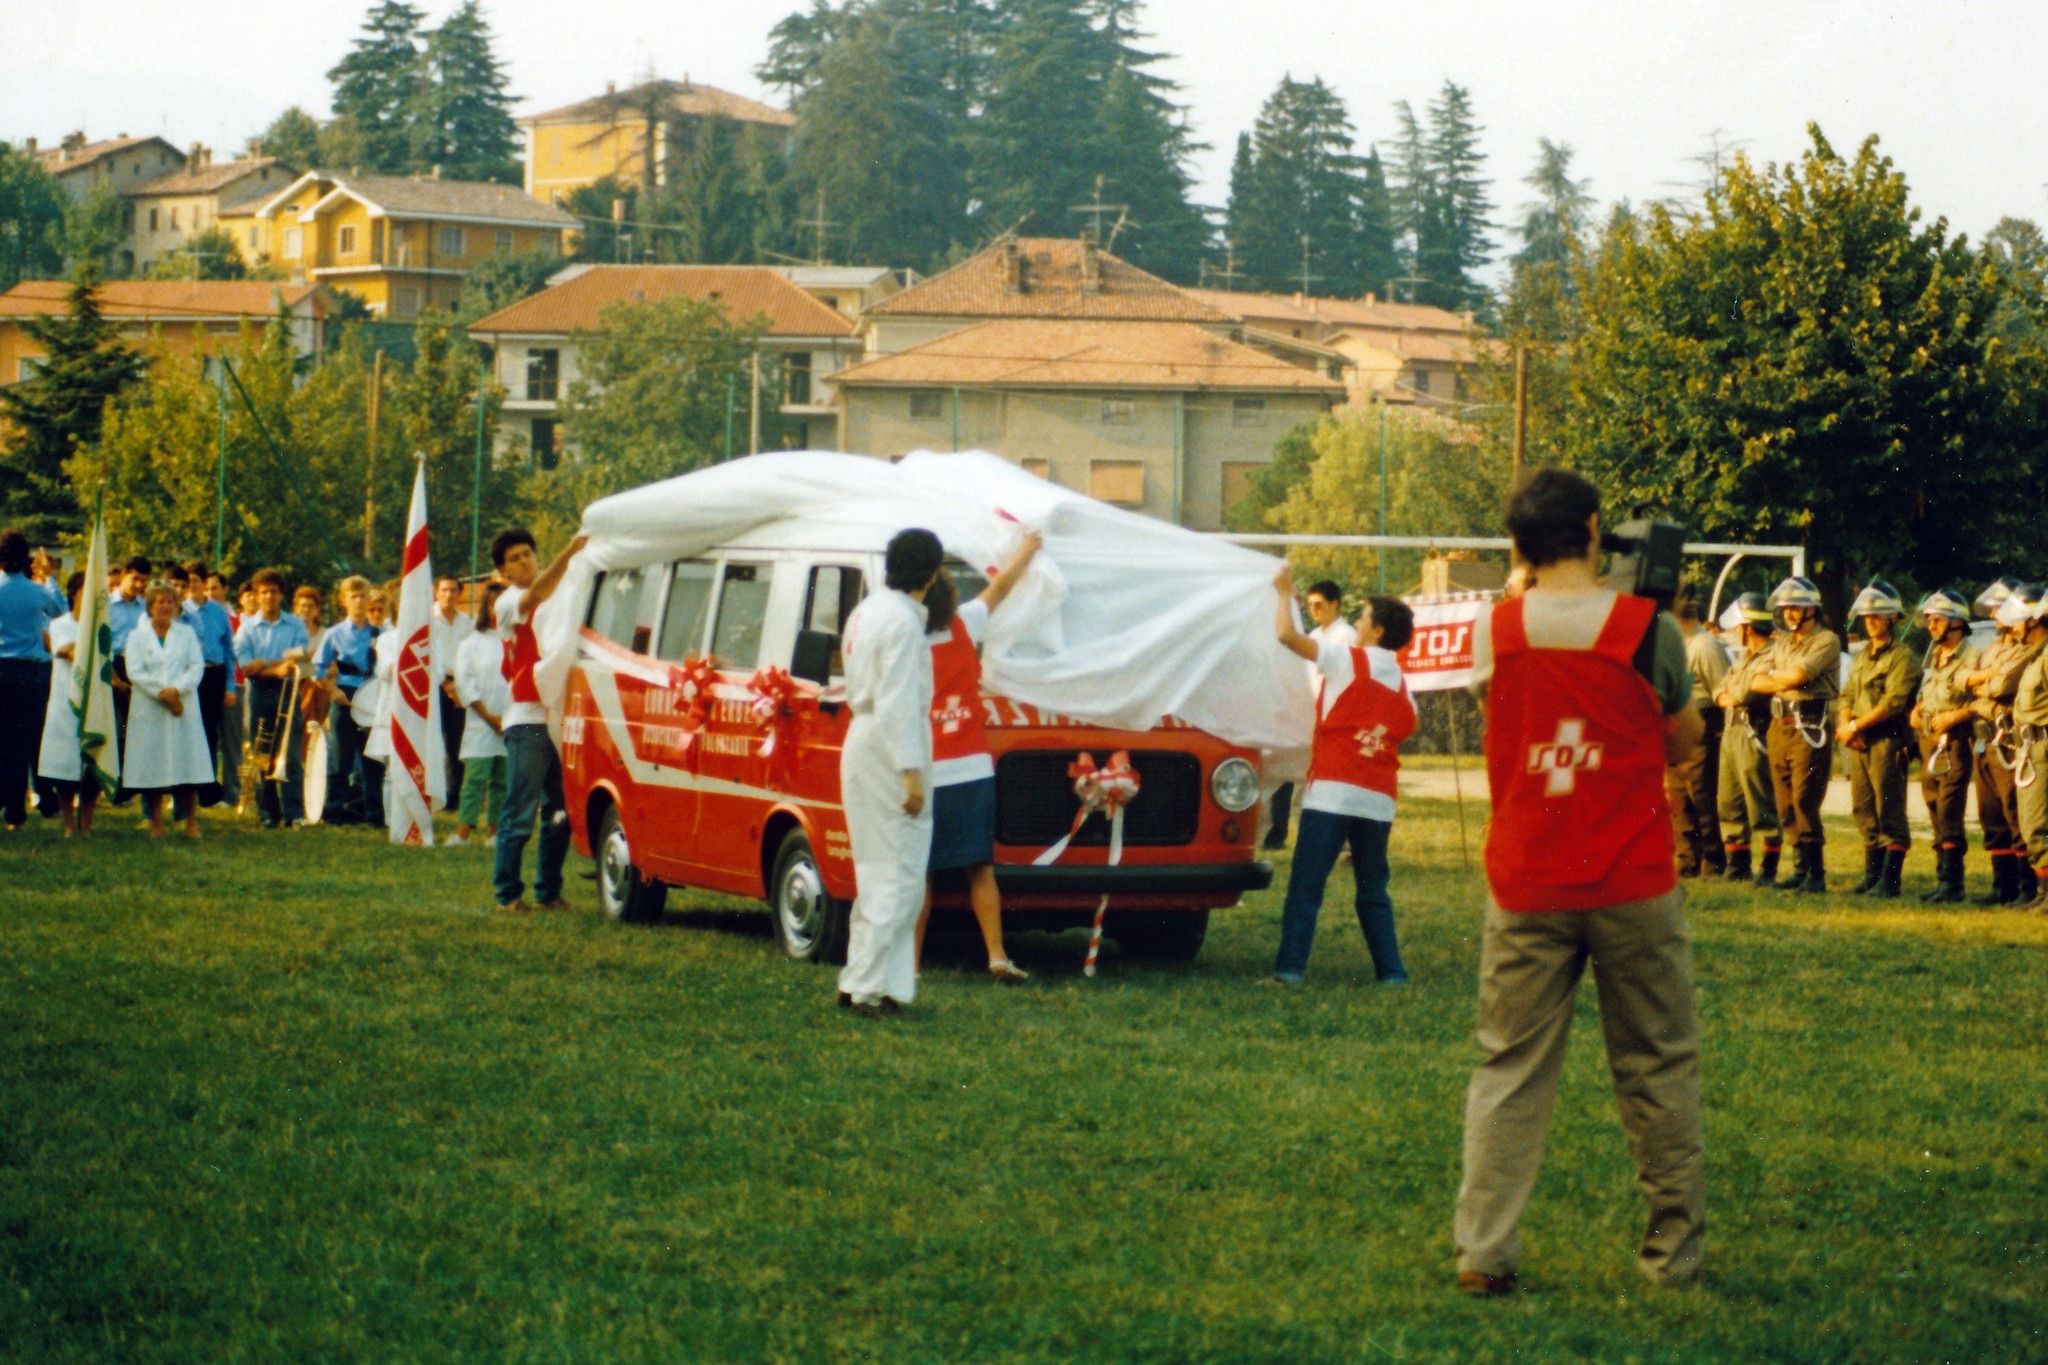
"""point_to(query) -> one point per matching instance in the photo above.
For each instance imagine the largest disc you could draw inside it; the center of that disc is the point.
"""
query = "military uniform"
(1947, 762)
(1749, 809)
(1883, 675)
(1801, 743)
(1998, 753)
(1690, 783)
(2030, 732)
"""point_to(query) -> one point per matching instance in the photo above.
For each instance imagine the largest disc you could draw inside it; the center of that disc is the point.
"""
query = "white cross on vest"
(1564, 758)
(1372, 743)
(952, 715)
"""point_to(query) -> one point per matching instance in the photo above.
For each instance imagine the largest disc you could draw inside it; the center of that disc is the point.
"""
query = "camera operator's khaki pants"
(1529, 970)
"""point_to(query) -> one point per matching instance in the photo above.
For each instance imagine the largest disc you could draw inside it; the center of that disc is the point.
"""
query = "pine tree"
(377, 86)
(1557, 218)
(1036, 147)
(1146, 146)
(1461, 250)
(1236, 214)
(797, 46)
(707, 198)
(463, 118)
(1297, 222)
(1379, 264)
(59, 410)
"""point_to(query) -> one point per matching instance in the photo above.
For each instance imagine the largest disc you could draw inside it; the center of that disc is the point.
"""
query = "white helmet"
(2021, 605)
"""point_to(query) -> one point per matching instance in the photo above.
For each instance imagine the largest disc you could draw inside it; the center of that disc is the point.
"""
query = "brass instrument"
(268, 749)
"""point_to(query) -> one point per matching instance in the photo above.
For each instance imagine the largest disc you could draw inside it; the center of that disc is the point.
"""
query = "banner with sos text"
(1439, 657)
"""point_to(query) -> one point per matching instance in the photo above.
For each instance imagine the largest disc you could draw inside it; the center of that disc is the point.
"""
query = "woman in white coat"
(166, 746)
(59, 765)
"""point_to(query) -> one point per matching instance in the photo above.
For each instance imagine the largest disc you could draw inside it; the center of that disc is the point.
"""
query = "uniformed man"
(1872, 729)
(1690, 783)
(1992, 685)
(2030, 735)
(1799, 673)
(1941, 721)
(1749, 808)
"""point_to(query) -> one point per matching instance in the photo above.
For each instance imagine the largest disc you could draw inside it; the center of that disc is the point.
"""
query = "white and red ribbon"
(1108, 789)
(778, 701)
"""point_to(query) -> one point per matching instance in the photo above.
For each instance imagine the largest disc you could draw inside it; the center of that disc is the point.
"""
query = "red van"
(663, 795)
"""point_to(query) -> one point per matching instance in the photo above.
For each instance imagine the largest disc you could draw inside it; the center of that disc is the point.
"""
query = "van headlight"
(1235, 785)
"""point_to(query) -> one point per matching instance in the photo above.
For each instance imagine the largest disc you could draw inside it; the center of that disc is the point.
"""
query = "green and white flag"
(92, 670)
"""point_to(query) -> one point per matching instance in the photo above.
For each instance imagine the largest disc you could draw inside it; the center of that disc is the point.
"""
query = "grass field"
(300, 1097)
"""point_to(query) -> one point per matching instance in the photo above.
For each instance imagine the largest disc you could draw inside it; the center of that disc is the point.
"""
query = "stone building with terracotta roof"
(122, 162)
(402, 243)
(1168, 417)
(633, 136)
(189, 317)
(159, 216)
(1396, 352)
(536, 344)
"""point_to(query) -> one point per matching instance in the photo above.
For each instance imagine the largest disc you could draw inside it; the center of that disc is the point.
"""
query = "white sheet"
(1123, 620)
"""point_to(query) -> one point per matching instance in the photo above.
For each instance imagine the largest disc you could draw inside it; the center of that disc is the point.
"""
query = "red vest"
(1575, 762)
(520, 658)
(1358, 742)
(958, 728)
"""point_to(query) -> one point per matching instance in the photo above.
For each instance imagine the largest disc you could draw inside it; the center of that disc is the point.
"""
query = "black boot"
(1894, 872)
(1801, 869)
(1873, 871)
(2033, 898)
(2001, 880)
(1948, 877)
(1816, 868)
(1738, 865)
(1767, 869)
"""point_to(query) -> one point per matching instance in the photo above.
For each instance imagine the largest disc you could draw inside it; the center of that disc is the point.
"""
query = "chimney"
(1370, 299)
(195, 159)
(1013, 269)
(611, 87)
(73, 144)
(1091, 266)
(435, 174)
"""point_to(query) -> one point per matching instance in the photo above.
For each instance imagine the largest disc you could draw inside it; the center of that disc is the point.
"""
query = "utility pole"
(220, 502)
(370, 461)
(818, 223)
(1305, 276)
(1521, 412)
(1098, 208)
(754, 418)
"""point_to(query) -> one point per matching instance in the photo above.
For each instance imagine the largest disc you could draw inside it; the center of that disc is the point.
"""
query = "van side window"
(742, 611)
(615, 607)
(689, 604)
(835, 590)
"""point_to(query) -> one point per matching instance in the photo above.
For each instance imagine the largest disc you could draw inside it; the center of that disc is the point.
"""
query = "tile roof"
(684, 97)
(425, 197)
(208, 179)
(1024, 354)
(747, 291)
(57, 161)
(1437, 346)
(1053, 286)
(1365, 312)
(164, 300)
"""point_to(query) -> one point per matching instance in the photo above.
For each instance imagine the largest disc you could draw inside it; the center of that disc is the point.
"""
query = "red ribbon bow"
(1108, 788)
(696, 683)
(777, 702)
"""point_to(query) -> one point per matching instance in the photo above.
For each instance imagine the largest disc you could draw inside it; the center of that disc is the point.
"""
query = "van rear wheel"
(1158, 935)
(810, 921)
(626, 895)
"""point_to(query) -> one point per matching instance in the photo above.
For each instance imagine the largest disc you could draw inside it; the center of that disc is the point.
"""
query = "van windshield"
(689, 606)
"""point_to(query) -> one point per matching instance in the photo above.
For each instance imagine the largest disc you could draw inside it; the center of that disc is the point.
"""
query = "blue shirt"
(123, 615)
(26, 610)
(265, 642)
(209, 621)
(354, 648)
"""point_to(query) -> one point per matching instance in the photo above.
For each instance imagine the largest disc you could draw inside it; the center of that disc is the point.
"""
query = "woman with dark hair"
(26, 610)
(166, 746)
(480, 684)
(60, 767)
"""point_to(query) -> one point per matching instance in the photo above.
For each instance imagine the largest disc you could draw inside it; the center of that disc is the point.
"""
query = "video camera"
(1648, 556)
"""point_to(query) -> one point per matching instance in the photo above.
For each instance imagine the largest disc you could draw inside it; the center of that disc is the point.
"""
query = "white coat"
(164, 750)
(480, 677)
(59, 759)
(889, 691)
(377, 743)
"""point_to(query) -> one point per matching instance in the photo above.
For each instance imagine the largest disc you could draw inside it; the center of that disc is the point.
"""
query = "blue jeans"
(1318, 839)
(534, 793)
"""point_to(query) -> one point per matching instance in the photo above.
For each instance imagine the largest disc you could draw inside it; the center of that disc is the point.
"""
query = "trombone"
(269, 748)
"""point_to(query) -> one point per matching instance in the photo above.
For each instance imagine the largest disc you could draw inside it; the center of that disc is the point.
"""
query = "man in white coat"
(884, 774)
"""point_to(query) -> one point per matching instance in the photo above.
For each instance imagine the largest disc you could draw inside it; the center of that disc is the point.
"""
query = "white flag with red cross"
(418, 763)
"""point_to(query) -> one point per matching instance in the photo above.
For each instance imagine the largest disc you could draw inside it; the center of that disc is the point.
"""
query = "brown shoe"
(1481, 1285)
(556, 904)
(518, 907)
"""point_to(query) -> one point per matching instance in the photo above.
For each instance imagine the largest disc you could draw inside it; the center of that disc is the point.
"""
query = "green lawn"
(300, 1097)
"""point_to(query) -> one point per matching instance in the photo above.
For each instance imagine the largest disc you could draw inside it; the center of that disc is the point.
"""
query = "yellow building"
(123, 162)
(402, 245)
(160, 216)
(190, 317)
(626, 134)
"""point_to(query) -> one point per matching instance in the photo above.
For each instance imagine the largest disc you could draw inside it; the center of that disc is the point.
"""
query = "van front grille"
(1035, 801)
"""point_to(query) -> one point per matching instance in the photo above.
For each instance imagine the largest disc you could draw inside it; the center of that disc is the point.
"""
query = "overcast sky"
(1639, 90)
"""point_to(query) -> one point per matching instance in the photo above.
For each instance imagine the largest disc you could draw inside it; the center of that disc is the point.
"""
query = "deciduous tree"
(31, 220)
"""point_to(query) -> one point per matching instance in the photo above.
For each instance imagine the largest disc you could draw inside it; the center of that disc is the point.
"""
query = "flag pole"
(1458, 786)
(476, 484)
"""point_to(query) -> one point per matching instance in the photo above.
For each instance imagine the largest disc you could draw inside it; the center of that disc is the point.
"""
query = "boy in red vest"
(1363, 713)
(533, 768)
(1587, 697)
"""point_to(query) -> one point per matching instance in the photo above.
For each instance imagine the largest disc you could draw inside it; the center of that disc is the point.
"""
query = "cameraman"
(1588, 698)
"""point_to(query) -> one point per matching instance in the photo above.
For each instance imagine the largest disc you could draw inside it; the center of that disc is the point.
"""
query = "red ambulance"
(666, 792)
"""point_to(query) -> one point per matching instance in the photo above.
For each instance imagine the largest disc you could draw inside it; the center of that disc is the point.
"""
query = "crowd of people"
(220, 695)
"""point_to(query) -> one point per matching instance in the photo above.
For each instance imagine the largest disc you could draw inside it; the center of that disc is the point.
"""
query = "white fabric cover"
(58, 758)
(164, 750)
(1122, 620)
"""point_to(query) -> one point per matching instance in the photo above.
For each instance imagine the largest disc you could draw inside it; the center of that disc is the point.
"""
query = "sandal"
(1005, 971)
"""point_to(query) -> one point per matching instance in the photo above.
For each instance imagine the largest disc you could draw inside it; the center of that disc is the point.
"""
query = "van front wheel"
(626, 895)
(810, 921)
(1158, 935)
